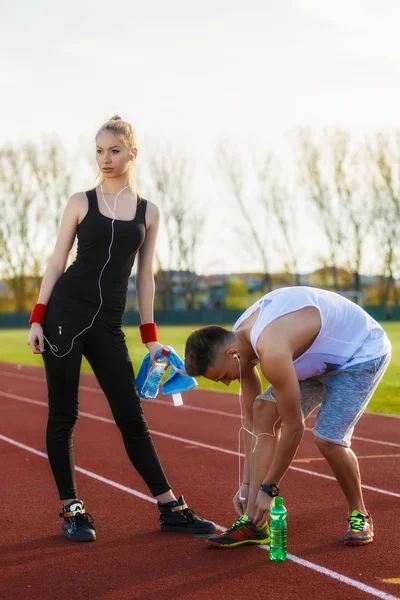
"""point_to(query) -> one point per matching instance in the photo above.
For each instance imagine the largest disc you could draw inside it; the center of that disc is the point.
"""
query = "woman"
(79, 313)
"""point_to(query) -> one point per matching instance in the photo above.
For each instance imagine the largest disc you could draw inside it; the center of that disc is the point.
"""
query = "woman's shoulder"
(78, 203)
(152, 211)
(78, 198)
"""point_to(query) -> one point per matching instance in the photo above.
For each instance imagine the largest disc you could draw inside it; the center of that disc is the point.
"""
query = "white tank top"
(348, 334)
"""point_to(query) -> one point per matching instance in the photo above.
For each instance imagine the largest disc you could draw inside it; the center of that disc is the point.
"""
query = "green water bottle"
(278, 543)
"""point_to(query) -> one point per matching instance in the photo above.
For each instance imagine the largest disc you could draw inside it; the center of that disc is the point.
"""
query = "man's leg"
(347, 393)
(267, 422)
(344, 465)
(267, 426)
(266, 430)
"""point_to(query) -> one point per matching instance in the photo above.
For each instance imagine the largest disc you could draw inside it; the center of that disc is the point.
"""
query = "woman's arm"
(75, 208)
(145, 287)
(65, 240)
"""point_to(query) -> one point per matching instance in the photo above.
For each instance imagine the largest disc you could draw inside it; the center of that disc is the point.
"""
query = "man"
(316, 348)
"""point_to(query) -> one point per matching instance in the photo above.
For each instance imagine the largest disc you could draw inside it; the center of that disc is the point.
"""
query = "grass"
(13, 348)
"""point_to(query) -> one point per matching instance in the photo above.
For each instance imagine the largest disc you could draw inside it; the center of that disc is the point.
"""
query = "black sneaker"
(78, 524)
(177, 516)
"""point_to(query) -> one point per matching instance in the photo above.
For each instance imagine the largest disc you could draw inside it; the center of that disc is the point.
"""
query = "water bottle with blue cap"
(152, 383)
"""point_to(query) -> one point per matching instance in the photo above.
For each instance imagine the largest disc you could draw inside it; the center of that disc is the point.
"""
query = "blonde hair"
(125, 133)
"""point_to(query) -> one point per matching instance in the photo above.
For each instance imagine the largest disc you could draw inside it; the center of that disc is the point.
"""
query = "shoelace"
(357, 522)
(242, 521)
(189, 514)
(81, 519)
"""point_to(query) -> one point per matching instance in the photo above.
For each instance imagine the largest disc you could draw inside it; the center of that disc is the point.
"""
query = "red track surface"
(131, 558)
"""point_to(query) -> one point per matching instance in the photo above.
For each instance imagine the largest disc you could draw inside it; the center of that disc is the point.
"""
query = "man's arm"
(278, 368)
(251, 388)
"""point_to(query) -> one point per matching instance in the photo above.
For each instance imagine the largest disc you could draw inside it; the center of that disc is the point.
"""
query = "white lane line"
(201, 409)
(366, 487)
(371, 441)
(92, 389)
(339, 577)
(304, 563)
(194, 443)
(124, 488)
(376, 414)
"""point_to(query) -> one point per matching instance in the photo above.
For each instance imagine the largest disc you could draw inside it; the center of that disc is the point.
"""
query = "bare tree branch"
(384, 153)
(182, 226)
(34, 184)
(19, 224)
(251, 237)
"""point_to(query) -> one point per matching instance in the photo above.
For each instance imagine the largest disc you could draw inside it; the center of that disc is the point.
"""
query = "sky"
(187, 74)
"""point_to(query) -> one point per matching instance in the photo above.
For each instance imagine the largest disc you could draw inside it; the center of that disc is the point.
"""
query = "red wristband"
(38, 314)
(148, 331)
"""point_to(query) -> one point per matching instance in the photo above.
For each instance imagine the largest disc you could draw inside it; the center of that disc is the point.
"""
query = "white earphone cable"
(244, 428)
(241, 428)
(53, 347)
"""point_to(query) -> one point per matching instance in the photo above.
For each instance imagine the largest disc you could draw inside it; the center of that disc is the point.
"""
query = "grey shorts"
(343, 396)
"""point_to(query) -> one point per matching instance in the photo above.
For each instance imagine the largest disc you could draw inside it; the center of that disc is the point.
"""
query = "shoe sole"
(74, 539)
(357, 542)
(177, 529)
(217, 545)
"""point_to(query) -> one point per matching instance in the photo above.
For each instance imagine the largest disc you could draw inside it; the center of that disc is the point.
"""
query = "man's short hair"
(202, 346)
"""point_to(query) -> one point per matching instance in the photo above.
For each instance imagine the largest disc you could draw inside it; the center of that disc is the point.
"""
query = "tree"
(332, 174)
(34, 186)
(261, 193)
(384, 152)
(252, 233)
(48, 164)
(277, 202)
(355, 201)
(20, 223)
(181, 225)
(318, 181)
(53, 178)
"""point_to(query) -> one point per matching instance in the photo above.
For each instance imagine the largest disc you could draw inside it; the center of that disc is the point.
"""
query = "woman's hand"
(35, 338)
(239, 504)
(152, 348)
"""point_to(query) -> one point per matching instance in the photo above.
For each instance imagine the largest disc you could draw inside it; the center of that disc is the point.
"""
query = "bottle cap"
(165, 351)
(278, 501)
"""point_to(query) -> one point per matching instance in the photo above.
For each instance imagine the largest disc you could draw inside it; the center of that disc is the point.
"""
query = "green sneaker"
(361, 529)
(241, 532)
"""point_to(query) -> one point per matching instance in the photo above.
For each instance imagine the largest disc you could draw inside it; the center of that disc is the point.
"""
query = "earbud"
(234, 355)
(133, 157)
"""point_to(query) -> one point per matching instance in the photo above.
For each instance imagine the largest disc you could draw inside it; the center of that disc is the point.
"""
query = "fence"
(193, 317)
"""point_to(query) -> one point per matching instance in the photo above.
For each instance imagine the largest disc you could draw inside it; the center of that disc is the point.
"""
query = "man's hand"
(239, 504)
(262, 508)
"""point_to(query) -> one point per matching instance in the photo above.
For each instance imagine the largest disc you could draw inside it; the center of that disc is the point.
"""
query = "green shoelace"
(357, 521)
(242, 521)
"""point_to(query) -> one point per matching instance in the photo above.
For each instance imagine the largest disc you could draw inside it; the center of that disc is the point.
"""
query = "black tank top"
(77, 291)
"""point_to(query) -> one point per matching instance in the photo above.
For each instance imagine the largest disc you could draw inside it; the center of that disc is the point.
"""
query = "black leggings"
(105, 349)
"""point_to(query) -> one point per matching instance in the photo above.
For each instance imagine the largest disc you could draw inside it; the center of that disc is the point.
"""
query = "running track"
(197, 444)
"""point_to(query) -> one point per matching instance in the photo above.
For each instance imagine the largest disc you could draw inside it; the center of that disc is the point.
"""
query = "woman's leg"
(63, 382)
(108, 356)
(107, 353)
